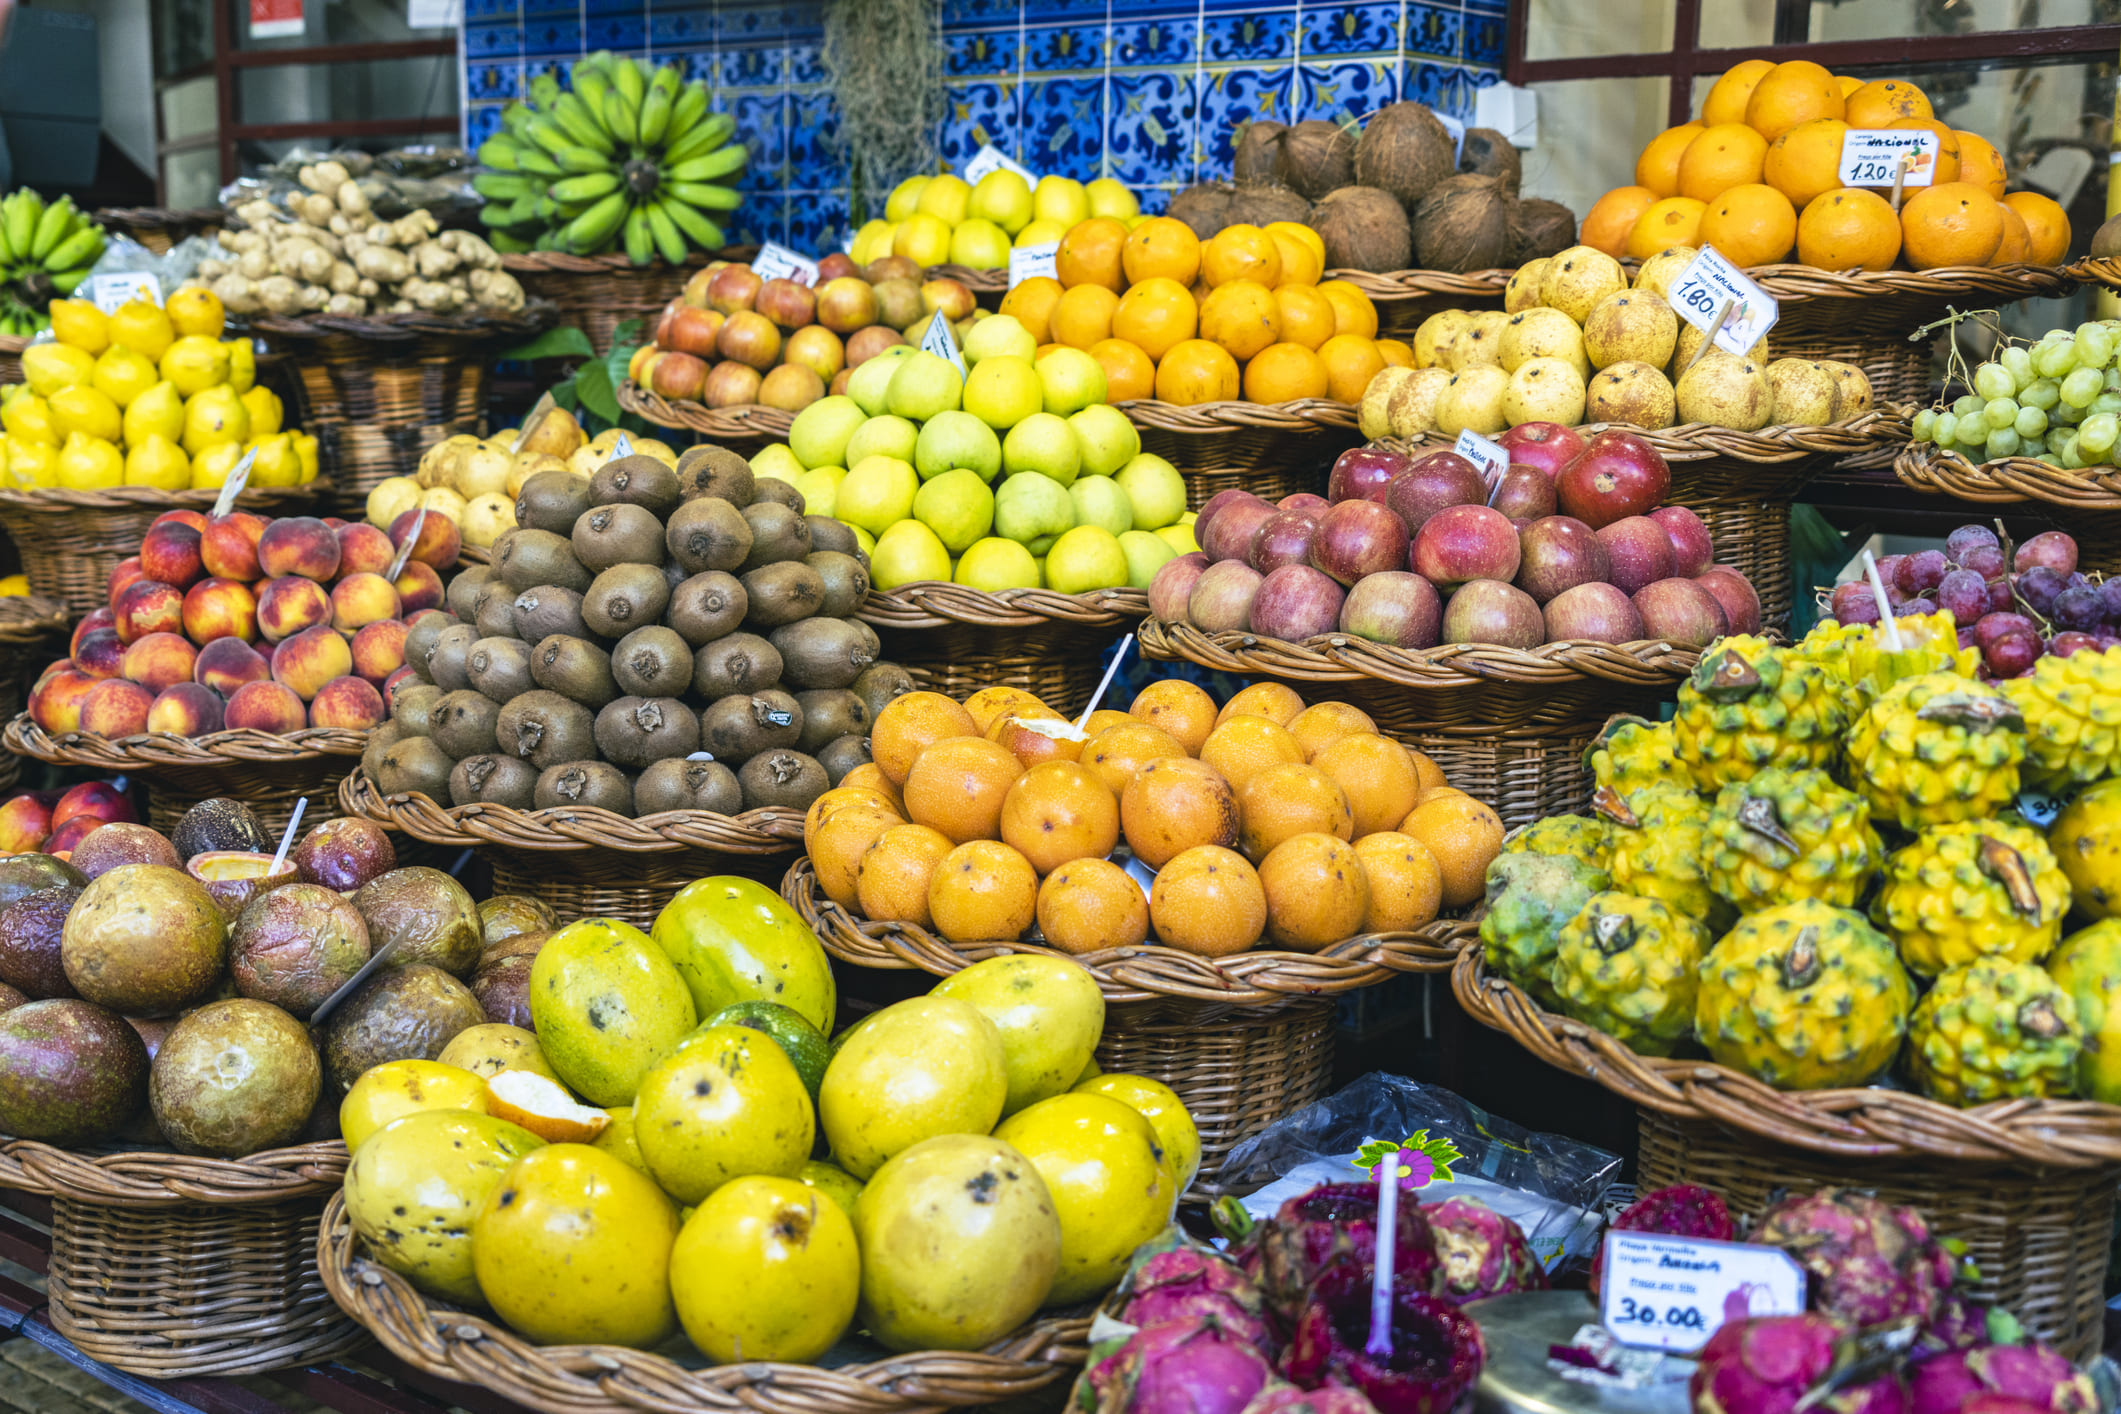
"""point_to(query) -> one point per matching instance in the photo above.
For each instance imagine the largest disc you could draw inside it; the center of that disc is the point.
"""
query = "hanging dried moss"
(884, 59)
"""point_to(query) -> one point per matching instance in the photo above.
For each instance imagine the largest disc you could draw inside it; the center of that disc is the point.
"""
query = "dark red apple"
(1363, 473)
(1597, 612)
(1525, 493)
(1558, 553)
(1680, 611)
(1229, 535)
(1616, 475)
(1172, 584)
(1489, 611)
(1437, 481)
(1741, 605)
(1222, 596)
(1303, 501)
(1283, 538)
(1214, 506)
(1692, 549)
(1546, 445)
(1296, 602)
(1357, 538)
(1641, 552)
(1462, 543)
(1396, 607)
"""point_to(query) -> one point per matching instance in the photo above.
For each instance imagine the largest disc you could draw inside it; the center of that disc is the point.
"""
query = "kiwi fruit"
(638, 731)
(415, 765)
(829, 534)
(706, 606)
(493, 779)
(782, 593)
(708, 534)
(575, 668)
(821, 653)
(500, 668)
(841, 755)
(624, 597)
(540, 613)
(462, 596)
(736, 662)
(788, 779)
(624, 534)
(868, 636)
(678, 783)
(552, 500)
(715, 471)
(879, 683)
(652, 662)
(463, 723)
(546, 729)
(828, 714)
(412, 707)
(526, 559)
(738, 727)
(674, 574)
(846, 582)
(772, 488)
(638, 480)
(579, 784)
(449, 660)
(420, 640)
(777, 534)
(494, 613)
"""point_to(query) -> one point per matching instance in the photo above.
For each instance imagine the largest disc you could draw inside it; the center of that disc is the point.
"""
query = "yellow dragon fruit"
(1972, 890)
(1748, 706)
(1938, 748)
(1993, 1030)
(1804, 997)
(1783, 835)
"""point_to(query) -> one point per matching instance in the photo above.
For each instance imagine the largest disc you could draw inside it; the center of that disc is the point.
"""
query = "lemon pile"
(145, 396)
(934, 219)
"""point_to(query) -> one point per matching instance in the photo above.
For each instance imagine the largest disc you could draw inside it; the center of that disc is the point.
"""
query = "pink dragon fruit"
(1437, 1351)
(1870, 1262)
(1192, 1366)
(1187, 1283)
(1958, 1324)
(2033, 1374)
(1766, 1365)
(1329, 1398)
(1483, 1252)
(1340, 1219)
(1683, 1210)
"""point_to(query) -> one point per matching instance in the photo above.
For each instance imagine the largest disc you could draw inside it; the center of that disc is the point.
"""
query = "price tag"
(412, 538)
(231, 488)
(621, 446)
(1457, 130)
(988, 159)
(1871, 156)
(1673, 1292)
(777, 262)
(940, 340)
(108, 292)
(544, 404)
(1492, 459)
(1710, 287)
(1031, 261)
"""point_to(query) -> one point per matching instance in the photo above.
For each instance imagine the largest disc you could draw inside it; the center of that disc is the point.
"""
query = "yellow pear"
(278, 463)
(157, 411)
(142, 327)
(82, 409)
(80, 323)
(306, 449)
(49, 367)
(211, 467)
(242, 364)
(196, 310)
(28, 417)
(158, 462)
(89, 464)
(214, 415)
(263, 405)
(122, 375)
(194, 363)
(32, 463)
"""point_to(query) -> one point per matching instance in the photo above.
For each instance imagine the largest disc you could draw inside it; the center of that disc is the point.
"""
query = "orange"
(990, 704)
(1378, 775)
(1725, 156)
(1155, 315)
(1179, 708)
(1084, 316)
(891, 884)
(841, 841)
(1980, 163)
(1129, 373)
(1674, 221)
(1208, 901)
(1324, 722)
(1298, 231)
(870, 776)
(1427, 792)
(1090, 253)
(1613, 216)
(2017, 238)
(1287, 800)
(1883, 102)
(1029, 745)
(1726, 102)
(1849, 84)
(1954, 223)
(909, 724)
(1275, 701)
(2046, 224)
(1657, 170)
(1057, 812)
(1196, 372)
(1351, 362)
(1353, 313)
(1948, 153)
(1242, 317)
(982, 890)
(1793, 93)
(1241, 747)
(1426, 771)
(1750, 225)
(1174, 803)
(1397, 353)
(1406, 884)
(1806, 161)
(1090, 904)
(1465, 836)
(957, 786)
(1282, 373)
(1317, 893)
(1241, 252)
(1849, 229)
(838, 798)
(1301, 262)
(1118, 752)
(1307, 316)
(1161, 246)
(1031, 305)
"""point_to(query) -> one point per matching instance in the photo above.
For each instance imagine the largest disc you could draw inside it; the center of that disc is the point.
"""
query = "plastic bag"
(127, 257)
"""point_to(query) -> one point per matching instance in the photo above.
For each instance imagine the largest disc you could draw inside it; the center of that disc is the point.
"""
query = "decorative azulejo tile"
(757, 66)
(674, 27)
(1448, 88)
(975, 115)
(1434, 29)
(813, 121)
(478, 10)
(816, 219)
(1142, 43)
(762, 118)
(1149, 127)
(492, 41)
(1351, 29)
(750, 24)
(624, 33)
(1258, 38)
(543, 35)
(958, 13)
(1039, 11)
(969, 53)
(1063, 127)
(700, 67)
(495, 82)
(806, 62)
(1230, 98)
(1061, 49)
(482, 122)
(1347, 92)
(1487, 39)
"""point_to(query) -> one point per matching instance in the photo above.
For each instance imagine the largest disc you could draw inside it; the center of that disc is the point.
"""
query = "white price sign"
(108, 292)
(238, 478)
(1031, 261)
(1491, 458)
(777, 262)
(989, 159)
(1673, 1292)
(1457, 130)
(1870, 157)
(1715, 297)
(940, 340)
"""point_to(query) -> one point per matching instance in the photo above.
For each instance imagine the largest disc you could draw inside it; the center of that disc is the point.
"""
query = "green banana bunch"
(46, 251)
(626, 157)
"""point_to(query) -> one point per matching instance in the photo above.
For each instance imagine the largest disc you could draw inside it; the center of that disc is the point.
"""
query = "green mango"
(607, 1004)
(735, 940)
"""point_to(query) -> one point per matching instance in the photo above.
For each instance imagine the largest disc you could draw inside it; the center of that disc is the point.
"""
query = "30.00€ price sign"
(1672, 1293)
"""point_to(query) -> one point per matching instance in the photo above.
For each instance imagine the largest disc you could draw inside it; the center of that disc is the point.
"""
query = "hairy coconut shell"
(1540, 228)
(1488, 153)
(2106, 241)
(1317, 157)
(1205, 206)
(1259, 151)
(1463, 224)
(1404, 151)
(1364, 229)
(1259, 205)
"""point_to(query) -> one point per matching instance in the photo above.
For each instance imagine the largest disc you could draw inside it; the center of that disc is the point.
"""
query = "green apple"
(979, 244)
(995, 564)
(999, 336)
(1107, 439)
(957, 506)
(1045, 444)
(1147, 552)
(1003, 390)
(1178, 537)
(957, 439)
(821, 489)
(1156, 489)
(1003, 197)
(819, 434)
(924, 385)
(863, 540)
(870, 384)
(1031, 507)
(777, 461)
(1070, 380)
(1086, 558)
(1099, 501)
(885, 436)
(877, 494)
(907, 552)
(1189, 517)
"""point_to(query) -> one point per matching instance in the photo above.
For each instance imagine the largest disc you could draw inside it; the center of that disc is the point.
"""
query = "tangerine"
(1324, 722)
(1030, 302)
(1090, 253)
(1353, 313)
(826, 805)
(1613, 217)
(1275, 701)
(2017, 238)
(1287, 800)
(982, 890)
(1036, 737)
(1174, 803)
(1980, 163)
(1750, 225)
(2046, 225)
(1307, 315)
(1397, 353)
(1849, 229)
(1060, 811)
(1301, 262)
(1465, 836)
(909, 724)
(1130, 374)
(1282, 373)
(1182, 710)
(1241, 317)
(891, 883)
(1657, 169)
(1883, 102)
(1675, 221)
(1161, 247)
(991, 704)
(1351, 361)
(1118, 752)
(1792, 93)
(1426, 771)
(1088, 905)
(1725, 156)
(957, 787)
(1084, 316)
(1298, 231)
(1242, 746)
(1953, 223)
(1317, 893)
(1406, 883)
(1241, 252)
(1378, 775)
(1726, 101)
(1155, 315)
(1208, 901)
(1196, 372)
(1805, 162)
(837, 849)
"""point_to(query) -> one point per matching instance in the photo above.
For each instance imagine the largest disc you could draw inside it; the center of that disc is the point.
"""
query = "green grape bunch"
(2057, 401)
(46, 251)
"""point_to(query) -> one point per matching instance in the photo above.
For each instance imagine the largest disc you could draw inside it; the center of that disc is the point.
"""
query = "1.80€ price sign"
(1671, 1293)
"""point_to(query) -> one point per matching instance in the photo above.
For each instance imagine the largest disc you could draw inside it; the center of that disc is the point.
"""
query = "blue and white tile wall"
(1148, 91)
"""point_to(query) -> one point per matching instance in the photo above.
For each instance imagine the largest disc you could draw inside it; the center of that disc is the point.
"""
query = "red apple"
(1437, 481)
(1641, 552)
(1229, 534)
(1296, 602)
(733, 288)
(1355, 539)
(1283, 538)
(1617, 475)
(1693, 551)
(692, 331)
(1599, 613)
(1546, 445)
(1734, 592)
(1489, 611)
(891, 267)
(1681, 611)
(1558, 553)
(787, 304)
(679, 376)
(1397, 607)
(1463, 543)
(845, 304)
(1173, 585)
(750, 338)
(1222, 596)
(1363, 473)
(732, 384)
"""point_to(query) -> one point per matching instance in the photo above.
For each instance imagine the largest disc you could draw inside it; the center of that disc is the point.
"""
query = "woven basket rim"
(2095, 270)
(163, 1178)
(1698, 441)
(1390, 285)
(55, 500)
(611, 1379)
(1926, 467)
(152, 750)
(1263, 977)
(747, 420)
(568, 829)
(1792, 282)
(932, 603)
(30, 618)
(194, 217)
(559, 262)
(14, 343)
(1870, 1122)
(535, 316)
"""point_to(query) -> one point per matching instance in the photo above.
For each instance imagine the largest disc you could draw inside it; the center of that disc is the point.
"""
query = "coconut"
(1405, 151)
(1364, 229)
(1539, 228)
(1463, 224)
(1259, 151)
(2106, 241)
(1205, 206)
(1488, 153)
(1317, 157)
(1263, 202)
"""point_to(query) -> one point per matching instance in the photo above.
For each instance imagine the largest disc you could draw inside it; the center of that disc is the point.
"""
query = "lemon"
(89, 464)
(157, 462)
(306, 449)
(158, 410)
(946, 198)
(1041, 233)
(194, 363)
(32, 463)
(242, 365)
(82, 409)
(194, 310)
(142, 327)
(278, 463)
(214, 415)
(28, 417)
(14, 584)
(905, 198)
(211, 467)
(49, 367)
(77, 322)
(122, 375)
(263, 405)
(907, 552)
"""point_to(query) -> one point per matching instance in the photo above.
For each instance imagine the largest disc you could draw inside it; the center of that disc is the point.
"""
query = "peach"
(347, 702)
(98, 798)
(438, 543)
(68, 836)
(55, 702)
(952, 297)
(642, 365)
(379, 650)
(362, 599)
(195, 519)
(220, 608)
(691, 331)
(734, 288)
(148, 606)
(115, 708)
(311, 659)
(750, 338)
(845, 304)
(398, 678)
(732, 384)
(170, 553)
(419, 587)
(695, 292)
(661, 336)
(160, 660)
(364, 549)
(230, 546)
(227, 663)
(122, 575)
(833, 266)
(865, 344)
(891, 267)
(101, 654)
(185, 709)
(287, 606)
(98, 617)
(678, 375)
(298, 545)
(819, 350)
(791, 388)
(787, 304)
(265, 707)
(25, 821)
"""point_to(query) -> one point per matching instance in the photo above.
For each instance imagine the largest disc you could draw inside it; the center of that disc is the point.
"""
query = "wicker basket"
(1404, 298)
(11, 347)
(1755, 541)
(744, 429)
(1268, 482)
(159, 227)
(32, 629)
(987, 286)
(598, 293)
(1303, 436)
(2086, 503)
(956, 640)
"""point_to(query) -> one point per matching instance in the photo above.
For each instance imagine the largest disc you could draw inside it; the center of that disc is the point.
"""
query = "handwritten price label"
(1672, 1293)
(1029, 262)
(777, 262)
(940, 340)
(1492, 458)
(238, 478)
(1871, 156)
(1710, 287)
(108, 292)
(989, 159)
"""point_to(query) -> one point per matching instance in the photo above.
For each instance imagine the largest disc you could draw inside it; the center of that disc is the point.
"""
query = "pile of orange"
(1244, 314)
(1260, 819)
(1756, 176)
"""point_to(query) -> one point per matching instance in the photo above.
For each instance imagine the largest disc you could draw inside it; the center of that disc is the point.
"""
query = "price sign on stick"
(1873, 157)
(1031, 261)
(989, 159)
(1717, 298)
(233, 486)
(1492, 458)
(940, 340)
(109, 292)
(1673, 1292)
(777, 262)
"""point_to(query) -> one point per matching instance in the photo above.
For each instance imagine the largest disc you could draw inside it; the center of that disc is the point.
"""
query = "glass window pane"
(337, 22)
(184, 35)
(1564, 29)
(1737, 23)
(188, 109)
(1589, 133)
(191, 179)
(315, 93)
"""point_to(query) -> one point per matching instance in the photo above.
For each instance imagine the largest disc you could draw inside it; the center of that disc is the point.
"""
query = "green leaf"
(563, 394)
(624, 341)
(567, 342)
(593, 385)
